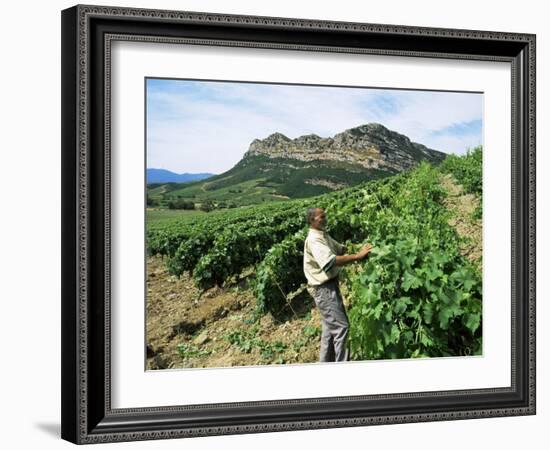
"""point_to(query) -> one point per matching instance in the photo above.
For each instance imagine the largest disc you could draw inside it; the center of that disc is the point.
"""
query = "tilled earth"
(462, 206)
(220, 328)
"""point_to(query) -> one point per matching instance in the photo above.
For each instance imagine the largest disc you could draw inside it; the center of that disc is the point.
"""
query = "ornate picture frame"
(88, 415)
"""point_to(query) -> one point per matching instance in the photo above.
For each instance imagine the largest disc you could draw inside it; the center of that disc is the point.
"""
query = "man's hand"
(362, 254)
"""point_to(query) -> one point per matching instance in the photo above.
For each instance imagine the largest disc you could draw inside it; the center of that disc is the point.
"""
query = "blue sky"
(202, 126)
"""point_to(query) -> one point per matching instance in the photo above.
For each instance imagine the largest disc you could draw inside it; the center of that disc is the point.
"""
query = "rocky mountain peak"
(275, 138)
(371, 145)
(372, 133)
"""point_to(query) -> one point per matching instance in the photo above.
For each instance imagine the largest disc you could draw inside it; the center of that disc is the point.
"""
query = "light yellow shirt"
(320, 252)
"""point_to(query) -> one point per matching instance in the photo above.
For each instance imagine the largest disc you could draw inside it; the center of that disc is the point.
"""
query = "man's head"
(316, 218)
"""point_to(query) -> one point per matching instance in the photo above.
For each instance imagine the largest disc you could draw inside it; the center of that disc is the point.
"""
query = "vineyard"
(416, 295)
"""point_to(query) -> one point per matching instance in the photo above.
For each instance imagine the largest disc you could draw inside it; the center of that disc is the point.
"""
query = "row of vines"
(414, 296)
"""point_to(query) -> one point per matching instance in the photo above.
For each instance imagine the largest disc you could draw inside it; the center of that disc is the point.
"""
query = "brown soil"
(462, 207)
(219, 328)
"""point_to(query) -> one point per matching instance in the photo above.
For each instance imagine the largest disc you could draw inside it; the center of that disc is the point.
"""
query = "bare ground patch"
(462, 206)
(220, 327)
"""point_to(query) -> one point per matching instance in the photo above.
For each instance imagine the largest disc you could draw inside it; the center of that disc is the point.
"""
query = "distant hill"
(165, 176)
(278, 167)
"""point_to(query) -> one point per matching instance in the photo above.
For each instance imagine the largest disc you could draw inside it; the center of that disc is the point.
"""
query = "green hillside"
(260, 179)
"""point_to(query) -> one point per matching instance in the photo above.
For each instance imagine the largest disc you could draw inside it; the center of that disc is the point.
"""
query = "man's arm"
(342, 260)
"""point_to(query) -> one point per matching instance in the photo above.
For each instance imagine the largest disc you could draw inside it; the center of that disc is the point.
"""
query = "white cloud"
(209, 130)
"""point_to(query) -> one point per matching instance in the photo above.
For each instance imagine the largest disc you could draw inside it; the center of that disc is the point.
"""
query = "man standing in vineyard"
(323, 258)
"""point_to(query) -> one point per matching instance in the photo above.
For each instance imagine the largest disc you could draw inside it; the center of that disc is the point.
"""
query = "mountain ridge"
(167, 176)
(370, 146)
(278, 167)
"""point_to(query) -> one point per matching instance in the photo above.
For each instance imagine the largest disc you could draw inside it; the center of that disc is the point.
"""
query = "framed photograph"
(281, 224)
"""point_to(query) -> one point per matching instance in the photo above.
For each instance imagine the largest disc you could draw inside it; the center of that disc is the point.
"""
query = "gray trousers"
(334, 321)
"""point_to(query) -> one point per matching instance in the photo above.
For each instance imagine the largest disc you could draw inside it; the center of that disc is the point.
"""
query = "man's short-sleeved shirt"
(320, 252)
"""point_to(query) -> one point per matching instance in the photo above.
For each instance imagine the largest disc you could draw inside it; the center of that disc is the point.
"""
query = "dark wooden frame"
(87, 31)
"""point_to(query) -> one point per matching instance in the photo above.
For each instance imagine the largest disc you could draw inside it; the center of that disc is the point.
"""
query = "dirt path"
(463, 206)
(286, 197)
(220, 328)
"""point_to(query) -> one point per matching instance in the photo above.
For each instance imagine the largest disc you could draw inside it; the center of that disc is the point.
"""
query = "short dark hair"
(310, 214)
